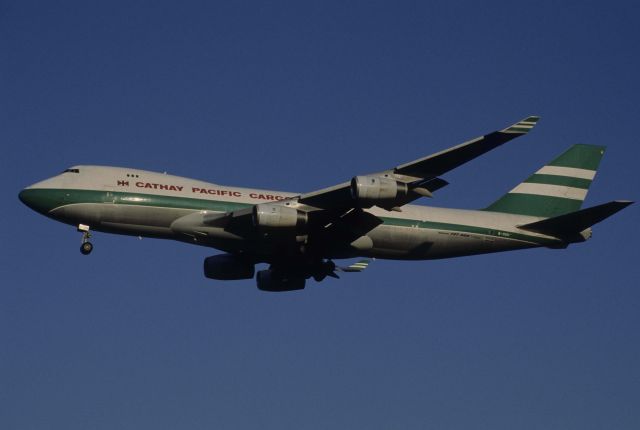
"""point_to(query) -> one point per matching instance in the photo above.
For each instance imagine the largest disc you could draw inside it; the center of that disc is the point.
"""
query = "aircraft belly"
(400, 242)
(117, 218)
(407, 242)
(415, 243)
(455, 244)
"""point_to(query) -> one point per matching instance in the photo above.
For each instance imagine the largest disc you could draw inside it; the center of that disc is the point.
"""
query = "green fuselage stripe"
(53, 198)
(485, 231)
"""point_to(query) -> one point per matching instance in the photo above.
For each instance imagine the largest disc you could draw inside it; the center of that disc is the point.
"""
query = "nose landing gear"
(86, 246)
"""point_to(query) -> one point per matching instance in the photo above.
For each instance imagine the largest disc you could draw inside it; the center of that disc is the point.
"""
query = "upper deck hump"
(123, 179)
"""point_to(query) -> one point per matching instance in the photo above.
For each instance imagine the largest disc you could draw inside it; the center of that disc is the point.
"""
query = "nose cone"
(40, 200)
(26, 196)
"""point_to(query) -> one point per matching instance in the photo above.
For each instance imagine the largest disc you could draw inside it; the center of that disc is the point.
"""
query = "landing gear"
(324, 269)
(86, 246)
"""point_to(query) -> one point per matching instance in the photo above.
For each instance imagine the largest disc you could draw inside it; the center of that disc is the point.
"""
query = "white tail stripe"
(571, 172)
(550, 190)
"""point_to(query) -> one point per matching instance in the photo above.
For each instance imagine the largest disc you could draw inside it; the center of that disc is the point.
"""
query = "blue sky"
(297, 96)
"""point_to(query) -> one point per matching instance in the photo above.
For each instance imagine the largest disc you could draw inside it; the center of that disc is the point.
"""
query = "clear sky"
(297, 96)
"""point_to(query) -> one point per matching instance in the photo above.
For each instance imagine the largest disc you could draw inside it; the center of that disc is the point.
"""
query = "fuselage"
(143, 203)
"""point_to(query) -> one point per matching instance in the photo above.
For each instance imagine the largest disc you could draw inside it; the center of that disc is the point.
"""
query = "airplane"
(300, 234)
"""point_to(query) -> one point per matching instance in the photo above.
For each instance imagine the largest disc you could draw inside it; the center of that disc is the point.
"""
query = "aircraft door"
(109, 196)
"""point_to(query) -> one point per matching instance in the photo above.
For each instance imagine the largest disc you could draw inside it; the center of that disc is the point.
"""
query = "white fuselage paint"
(418, 232)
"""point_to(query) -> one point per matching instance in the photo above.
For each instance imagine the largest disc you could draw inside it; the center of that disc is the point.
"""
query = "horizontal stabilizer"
(573, 223)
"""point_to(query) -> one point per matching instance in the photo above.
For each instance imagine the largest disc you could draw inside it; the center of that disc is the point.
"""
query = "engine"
(275, 216)
(269, 280)
(226, 267)
(377, 191)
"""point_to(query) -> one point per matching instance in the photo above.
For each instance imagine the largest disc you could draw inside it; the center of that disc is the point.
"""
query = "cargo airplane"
(299, 235)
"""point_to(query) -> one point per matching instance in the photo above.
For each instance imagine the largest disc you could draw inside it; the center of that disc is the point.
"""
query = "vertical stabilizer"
(558, 188)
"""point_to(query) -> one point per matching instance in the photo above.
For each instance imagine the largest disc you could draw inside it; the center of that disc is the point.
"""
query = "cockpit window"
(72, 171)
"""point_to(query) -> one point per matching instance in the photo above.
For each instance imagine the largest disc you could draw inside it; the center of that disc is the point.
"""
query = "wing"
(416, 178)
(332, 220)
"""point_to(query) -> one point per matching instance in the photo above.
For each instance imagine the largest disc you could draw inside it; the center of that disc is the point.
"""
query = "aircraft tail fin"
(557, 188)
(575, 226)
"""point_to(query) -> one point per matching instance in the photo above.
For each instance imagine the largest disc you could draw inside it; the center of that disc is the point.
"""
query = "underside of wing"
(409, 181)
(334, 221)
(444, 161)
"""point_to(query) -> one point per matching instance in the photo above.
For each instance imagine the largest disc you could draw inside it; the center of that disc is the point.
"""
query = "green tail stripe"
(581, 156)
(534, 205)
(559, 180)
(585, 157)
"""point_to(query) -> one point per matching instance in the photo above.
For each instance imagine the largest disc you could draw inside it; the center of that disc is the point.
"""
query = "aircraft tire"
(86, 248)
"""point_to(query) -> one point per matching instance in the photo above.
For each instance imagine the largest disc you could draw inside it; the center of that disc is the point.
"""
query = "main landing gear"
(86, 246)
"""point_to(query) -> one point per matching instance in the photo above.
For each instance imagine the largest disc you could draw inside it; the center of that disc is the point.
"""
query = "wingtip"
(522, 126)
(624, 203)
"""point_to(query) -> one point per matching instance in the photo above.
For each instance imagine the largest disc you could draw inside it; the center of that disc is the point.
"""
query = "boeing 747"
(299, 235)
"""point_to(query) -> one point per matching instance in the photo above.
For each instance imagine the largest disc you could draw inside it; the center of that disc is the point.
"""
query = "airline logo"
(200, 191)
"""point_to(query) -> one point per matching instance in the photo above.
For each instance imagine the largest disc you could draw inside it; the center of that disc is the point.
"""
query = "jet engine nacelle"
(268, 280)
(226, 267)
(276, 216)
(377, 191)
